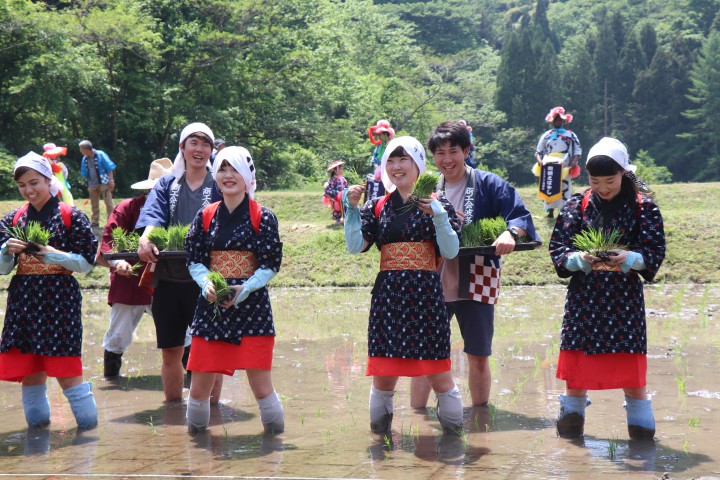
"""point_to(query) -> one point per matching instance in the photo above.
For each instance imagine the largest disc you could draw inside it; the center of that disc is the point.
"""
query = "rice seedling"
(153, 429)
(694, 422)
(424, 185)
(483, 232)
(612, 447)
(599, 243)
(223, 291)
(176, 237)
(159, 237)
(17, 232)
(36, 233)
(681, 384)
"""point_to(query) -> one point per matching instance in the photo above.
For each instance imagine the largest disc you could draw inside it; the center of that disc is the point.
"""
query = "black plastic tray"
(490, 250)
(168, 255)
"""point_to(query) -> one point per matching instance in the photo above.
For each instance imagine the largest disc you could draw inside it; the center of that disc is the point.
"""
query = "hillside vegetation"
(314, 253)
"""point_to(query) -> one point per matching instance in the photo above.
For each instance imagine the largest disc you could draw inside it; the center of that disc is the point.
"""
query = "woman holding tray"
(604, 336)
(42, 335)
(238, 238)
(409, 329)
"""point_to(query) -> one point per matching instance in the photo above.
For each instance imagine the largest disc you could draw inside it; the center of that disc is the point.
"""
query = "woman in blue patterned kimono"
(238, 238)
(409, 328)
(42, 335)
(604, 334)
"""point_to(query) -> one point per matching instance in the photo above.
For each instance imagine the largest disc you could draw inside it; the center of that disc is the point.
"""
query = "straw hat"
(334, 165)
(158, 168)
(52, 151)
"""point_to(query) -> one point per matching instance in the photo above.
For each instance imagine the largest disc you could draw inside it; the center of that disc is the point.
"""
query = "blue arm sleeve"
(156, 210)
(71, 261)
(575, 262)
(7, 261)
(353, 231)
(259, 279)
(199, 273)
(446, 237)
(634, 261)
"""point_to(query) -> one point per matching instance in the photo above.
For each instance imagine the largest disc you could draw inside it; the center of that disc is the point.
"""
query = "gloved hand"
(446, 237)
(575, 262)
(72, 261)
(634, 261)
(258, 280)
(7, 261)
(353, 230)
(199, 273)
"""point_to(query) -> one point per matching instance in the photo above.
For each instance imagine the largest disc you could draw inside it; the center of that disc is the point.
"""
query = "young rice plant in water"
(599, 243)
(483, 232)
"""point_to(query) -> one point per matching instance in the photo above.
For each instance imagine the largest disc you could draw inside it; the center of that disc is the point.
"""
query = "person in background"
(603, 340)
(99, 171)
(175, 200)
(471, 284)
(409, 328)
(53, 153)
(470, 160)
(373, 183)
(334, 188)
(42, 331)
(560, 140)
(128, 301)
(218, 145)
(238, 238)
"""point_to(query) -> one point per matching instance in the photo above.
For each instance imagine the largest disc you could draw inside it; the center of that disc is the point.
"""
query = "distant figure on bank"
(334, 188)
(128, 301)
(54, 153)
(99, 170)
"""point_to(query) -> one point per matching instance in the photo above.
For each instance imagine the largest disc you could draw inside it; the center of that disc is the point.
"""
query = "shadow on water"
(240, 447)
(173, 413)
(41, 441)
(140, 382)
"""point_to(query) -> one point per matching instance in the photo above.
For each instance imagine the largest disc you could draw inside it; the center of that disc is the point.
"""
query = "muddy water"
(319, 371)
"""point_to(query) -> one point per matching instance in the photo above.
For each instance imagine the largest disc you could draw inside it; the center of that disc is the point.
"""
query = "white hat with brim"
(615, 149)
(158, 168)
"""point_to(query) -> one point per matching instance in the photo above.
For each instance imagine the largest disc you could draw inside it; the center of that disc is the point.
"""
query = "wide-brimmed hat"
(52, 151)
(158, 168)
(383, 126)
(558, 112)
(334, 165)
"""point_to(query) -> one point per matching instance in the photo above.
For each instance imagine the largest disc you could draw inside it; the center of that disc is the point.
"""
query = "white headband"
(197, 127)
(240, 159)
(413, 147)
(41, 165)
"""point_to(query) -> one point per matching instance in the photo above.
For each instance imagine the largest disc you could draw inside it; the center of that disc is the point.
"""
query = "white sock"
(450, 409)
(198, 414)
(272, 413)
(381, 404)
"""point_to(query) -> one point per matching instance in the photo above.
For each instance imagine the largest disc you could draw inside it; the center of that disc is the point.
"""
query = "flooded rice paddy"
(319, 366)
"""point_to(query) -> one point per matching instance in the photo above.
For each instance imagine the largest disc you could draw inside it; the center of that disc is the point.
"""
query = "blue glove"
(199, 273)
(353, 230)
(72, 261)
(634, 261)
(259, 279)
(446, 237)
(575, 262)
(7, 261)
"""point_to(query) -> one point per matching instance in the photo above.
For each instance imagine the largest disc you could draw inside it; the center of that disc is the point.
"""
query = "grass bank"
(315, 255)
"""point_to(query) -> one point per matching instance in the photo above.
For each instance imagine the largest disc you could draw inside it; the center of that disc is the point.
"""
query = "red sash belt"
(233, 263)
(30, 265)
(408, 256)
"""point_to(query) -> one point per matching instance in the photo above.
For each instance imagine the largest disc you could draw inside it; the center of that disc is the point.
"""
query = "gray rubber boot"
(571, 419)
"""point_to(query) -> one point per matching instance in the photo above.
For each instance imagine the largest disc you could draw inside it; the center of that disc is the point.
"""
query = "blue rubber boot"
(571, 419)
(640, 418)
(82, 403)
(36, 406)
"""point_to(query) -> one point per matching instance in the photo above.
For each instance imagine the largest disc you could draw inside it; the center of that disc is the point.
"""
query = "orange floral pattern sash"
(30, 265)
(408, 256)
(233, 263)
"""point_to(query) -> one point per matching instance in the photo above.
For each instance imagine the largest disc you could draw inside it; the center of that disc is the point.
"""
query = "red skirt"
(15, 365)
(221, 357)
(405, 367)
(604, 371)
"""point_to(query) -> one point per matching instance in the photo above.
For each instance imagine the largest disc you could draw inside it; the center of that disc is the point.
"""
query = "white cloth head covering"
(242, 161)
(197, 127)
(413, 147)
(41, 165)
(613, 148)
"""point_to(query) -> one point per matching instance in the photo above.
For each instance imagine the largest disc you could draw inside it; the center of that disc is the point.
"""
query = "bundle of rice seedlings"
(159, 237)
(223, 291)
(36, 233)
(119, 240)
(17, 232)
(176, 237)
(483, 232)
(424, 185)
(599, 243)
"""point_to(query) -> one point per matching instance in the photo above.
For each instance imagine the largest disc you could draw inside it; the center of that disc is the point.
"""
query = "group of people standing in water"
(423, 281)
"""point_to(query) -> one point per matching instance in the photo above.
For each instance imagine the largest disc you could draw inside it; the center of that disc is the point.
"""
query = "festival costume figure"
(564, 142)
(334, 189)
(604, 335)
(239, 239)
(374, 187)
(42, 333)
(52, 152)
(127, 299)
(409, 329)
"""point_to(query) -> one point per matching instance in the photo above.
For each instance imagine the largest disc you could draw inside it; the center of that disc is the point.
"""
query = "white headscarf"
(240, 159)
(197, 127)
(413, 147)
(41, 165)
(615, 149)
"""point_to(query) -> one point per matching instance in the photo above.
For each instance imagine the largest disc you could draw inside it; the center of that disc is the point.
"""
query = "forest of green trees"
(298, 82)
